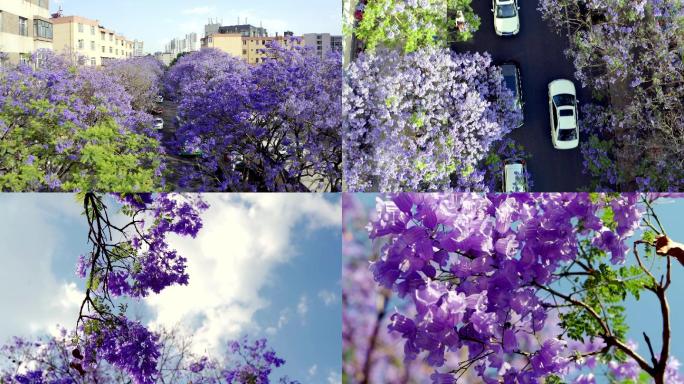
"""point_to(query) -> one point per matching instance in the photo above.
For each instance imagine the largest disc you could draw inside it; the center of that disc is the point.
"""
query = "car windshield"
(505, 11)
(567, 134)
(566, 112)
(564, 99)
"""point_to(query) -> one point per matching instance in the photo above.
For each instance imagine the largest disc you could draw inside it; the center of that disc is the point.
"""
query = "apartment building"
(25, 26)
(323, 42)
(88, 39)
(245, 41)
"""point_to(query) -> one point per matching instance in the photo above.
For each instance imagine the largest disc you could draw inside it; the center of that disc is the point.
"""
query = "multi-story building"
(89, 40)
(245, 41)
(323, 42)
(25, 26)
(164, 57)
(186, 44)
(138, 48)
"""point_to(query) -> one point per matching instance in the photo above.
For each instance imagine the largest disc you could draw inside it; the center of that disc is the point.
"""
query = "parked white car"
(506, 18)
(563, 114)
(158, 123)
(514, 178)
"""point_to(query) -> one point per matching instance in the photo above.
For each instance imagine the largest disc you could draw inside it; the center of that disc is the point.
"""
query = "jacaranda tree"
(141, 77)
(423, 121)
(68, 127)
(51, 360)
(272, 126)
(631, 54)
(526, 288)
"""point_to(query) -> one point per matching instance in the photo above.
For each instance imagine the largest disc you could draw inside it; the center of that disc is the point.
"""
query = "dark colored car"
(511, 75)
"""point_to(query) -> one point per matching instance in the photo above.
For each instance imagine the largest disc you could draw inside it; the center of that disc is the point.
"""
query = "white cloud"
(244, 238)
(303, 306)
(197, 11)
(312, 370)
(327, 297)
(334, 378)
(33, 299)
(282, 321)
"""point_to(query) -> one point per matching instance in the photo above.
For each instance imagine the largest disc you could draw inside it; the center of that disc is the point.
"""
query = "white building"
(138, 48)
(187, 44)
(323, 42)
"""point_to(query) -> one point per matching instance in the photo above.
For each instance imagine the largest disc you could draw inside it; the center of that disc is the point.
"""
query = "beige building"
(250, 48)
(87, 38)
(25, 26)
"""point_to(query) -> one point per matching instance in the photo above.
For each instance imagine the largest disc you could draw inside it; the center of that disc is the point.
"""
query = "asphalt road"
(539, 52)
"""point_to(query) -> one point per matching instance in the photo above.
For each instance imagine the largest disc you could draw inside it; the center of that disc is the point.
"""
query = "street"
(173, 161)
(539, 53)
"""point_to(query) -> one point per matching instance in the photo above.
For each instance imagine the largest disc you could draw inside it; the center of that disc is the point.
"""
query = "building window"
(111, 50)
(117, 52)
(80, 27)
(244, 51)
(42, 29)
(23, 26)
(92, 30)
(24, 58)
(111, 36)
(81, 44)
(43, 3)
(93, 62)
(102, 36)
(92, 45)
(103, 49)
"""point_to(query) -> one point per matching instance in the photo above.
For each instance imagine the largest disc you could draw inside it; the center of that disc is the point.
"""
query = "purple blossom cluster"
(125, 344)
(253, 363)
(473, 265)
(273, 126)
(152, 264)
(423, 121)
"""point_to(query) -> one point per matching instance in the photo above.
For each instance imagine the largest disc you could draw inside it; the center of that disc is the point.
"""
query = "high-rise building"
(186, 44)
(138, 48)
(89, 40)
(25, 26)
(323, 42)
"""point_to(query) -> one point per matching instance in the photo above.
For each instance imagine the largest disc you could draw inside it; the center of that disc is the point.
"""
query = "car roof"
(567, 122)
(509, 68)
(510, 176)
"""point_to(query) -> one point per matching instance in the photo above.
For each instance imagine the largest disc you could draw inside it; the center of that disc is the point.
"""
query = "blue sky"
(158, 21)
(263, 265)
(644, 315)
